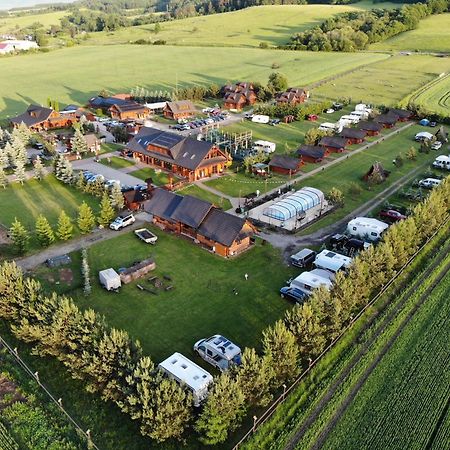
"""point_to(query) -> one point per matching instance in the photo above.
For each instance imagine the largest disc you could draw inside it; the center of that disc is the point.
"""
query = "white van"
(264, 146)
(259, 118)
(429, 183)
(442, 162)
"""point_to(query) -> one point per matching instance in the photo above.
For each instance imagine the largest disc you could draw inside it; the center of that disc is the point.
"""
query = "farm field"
(432, 35)
(8, 24)
(81, 72)
(435, 98)
(410, 386)
(386, 82)
(174, 320)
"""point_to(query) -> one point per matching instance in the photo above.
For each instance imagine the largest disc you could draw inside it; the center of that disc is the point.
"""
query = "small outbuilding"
(387, 120)
(403, 114)
(371, 127)
(137, 271)
(286, 165)
(109, 279)
(312, 153)
(353, 135)
(333, 143)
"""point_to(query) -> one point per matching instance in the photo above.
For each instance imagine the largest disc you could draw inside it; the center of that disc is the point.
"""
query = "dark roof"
(333, 141)
(105, 103)
(221, 227)
(191, 211)
(369, 126)
(183, 151)
(285, 162)
(388, 118)
(312, 151)
(182, 106)
(33, 115)
(352, 133)
(129, 106)
(71, 108)
(163, 203)
(402, 113)
(290, 95)
(134, 196)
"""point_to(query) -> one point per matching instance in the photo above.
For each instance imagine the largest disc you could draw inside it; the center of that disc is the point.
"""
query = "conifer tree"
(116, 197)
(19, 150)
(3, 178)
(85, 271)
(44, 232)
(106, 211)
(78, 142)
(4, 158)
(65, 227)
(39, 171)
(19, 172)
(86, 219)
(9, 158)
(19, 236)
(80, 181)
(23, 133)
(223, 410)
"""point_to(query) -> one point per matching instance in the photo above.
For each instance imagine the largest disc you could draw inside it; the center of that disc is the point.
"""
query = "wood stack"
(137, 271)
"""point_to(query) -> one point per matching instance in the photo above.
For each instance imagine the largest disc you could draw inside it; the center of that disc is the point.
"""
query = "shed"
(295, 204)
(137, 271)
(286, 165)
(333, 143)
(376, 172)
(109, 279)
(312, 153)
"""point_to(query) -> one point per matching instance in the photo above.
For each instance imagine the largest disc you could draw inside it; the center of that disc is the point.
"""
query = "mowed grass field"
(9, 24)
(76, 74)
(432, 35)
(386, 82)
(436, 97)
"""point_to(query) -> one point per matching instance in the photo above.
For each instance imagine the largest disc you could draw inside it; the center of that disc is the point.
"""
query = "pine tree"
(23, 133)
(19, 236)
(85, 271)
(106, 211)
(86, 219)
(19, 150)
(78, 142)
(223, 411)
(65, 228)
(280, 346)
(19, 172)
(4, 158)
(39, 171)
(116, 197)
(44, 232)
(9, 158)
(81, 181)
(3, 178)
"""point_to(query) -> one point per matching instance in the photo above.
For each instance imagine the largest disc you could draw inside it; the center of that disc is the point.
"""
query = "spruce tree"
(10, 158)
(106, 211)
(19, 236)
(44, 232)
(4, 158)
(85, 271)
(19, 150)
(78, 142)
(86, 219)
(39, 171)
(80, 181)
(116, 197)
(65, 228)
(19, 172)
(3, 178)
(223, 411)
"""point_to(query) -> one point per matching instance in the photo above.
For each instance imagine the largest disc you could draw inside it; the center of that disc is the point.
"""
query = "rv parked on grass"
(352, 119)
(299, 288)
(219, 351)
(109, 279)
(259, 118)
(332, 261)
(328, 126)
(429, 183)
(186, 372)
(361, 115)
(442, 162)
(265, 146)
(366, 228)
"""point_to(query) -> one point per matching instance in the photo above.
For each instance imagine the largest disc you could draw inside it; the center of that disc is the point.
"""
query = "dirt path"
(335, 386)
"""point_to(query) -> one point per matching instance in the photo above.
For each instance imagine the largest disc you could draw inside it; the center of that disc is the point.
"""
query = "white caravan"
(259, 118)
(265, 146)
(366, 228)
(442, 162)
(350, 118)
(332, 261)
(307, 281)
(109, 279)
(219, 351)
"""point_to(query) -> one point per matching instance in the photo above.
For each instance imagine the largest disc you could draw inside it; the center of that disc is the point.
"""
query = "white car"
(122, 222)
(329, 111)
(429, 183)
(436, 145)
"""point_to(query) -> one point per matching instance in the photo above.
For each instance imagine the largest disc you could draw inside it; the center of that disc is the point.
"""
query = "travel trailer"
(219, 352)
(366, 228)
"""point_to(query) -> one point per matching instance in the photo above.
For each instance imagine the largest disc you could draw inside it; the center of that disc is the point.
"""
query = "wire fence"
(58, 402)
(258, 421)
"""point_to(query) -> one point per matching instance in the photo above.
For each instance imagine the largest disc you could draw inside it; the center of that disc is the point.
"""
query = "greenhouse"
(295, 204)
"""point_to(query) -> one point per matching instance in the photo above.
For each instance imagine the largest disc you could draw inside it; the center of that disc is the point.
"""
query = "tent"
(376, 170)
(424, 122)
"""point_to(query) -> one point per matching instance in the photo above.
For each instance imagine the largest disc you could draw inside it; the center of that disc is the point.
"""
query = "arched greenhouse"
(295, 204)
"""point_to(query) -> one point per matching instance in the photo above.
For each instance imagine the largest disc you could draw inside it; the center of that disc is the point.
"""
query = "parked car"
(303, 258)
(38, 146)
(433, 124)
(436, 145)
(293, 294)
(122, 222)
(337, 106)
(429, 183)
(147, 236)
(329, 111)
(392, 215)
(219, 352)
(275, 122)
(337, 241)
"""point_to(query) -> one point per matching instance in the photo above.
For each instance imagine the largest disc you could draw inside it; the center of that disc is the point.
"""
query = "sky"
(7, 4)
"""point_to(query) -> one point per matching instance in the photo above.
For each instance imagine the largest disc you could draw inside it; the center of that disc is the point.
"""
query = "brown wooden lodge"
(370, 127)
(353, 136)
(183, 156)
(238, 96)
(292, 96)
(220, 232)
(182, 109)
(38, 118)
(286, 165)
(312, 153)
(128, 111)
(334, 144)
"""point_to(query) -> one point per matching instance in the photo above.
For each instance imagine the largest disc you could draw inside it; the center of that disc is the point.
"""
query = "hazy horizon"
(8, 4)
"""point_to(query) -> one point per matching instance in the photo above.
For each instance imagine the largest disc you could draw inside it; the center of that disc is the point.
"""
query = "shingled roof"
(33, 115)
(352, 133)
(163, 203)
(222, 227)
(312, 151)
(333, 141)
(129, 106)
(369, 126)
(182, 106)
(388, 119)
(402, 113)
(105, 102)
(285, 162)
(183, 151)
(191, 211)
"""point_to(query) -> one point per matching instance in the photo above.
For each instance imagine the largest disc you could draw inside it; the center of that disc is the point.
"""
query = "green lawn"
(160, 178)
(9, 24)
(432, 35)
(385, 82)
(202, 301)
(81, 72)
(203, 194)
(116, 163)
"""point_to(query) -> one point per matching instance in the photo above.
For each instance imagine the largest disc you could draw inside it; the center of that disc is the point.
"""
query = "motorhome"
(265, 146)
(332, 261)
(442, 162)
(423, 136)
(328, 126)
(361, 115)
(303, 258)
(259, 118)
(366, 228)
(186, 373)
(352, 119)
(299, 288)
(363, 107)
(219, 352)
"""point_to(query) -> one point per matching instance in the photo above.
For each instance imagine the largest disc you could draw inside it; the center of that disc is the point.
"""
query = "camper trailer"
(259, 118)
(361, 115)
(109, 279)
(366, 228)
(350, 118)
(187, 373)
(442, 162)
(219, 352)
(429, 183)
(299, 288)
(363, 107)
(328, 126)
(332, 261)
(264, 146)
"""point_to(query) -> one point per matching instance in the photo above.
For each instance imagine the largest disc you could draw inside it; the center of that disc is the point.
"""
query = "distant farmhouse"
(238, 96)
(11, 46)
(38, 118)
(292, 96)
(183, 156)
(218, 231)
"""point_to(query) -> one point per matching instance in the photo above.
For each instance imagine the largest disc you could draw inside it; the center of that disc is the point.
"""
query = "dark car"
(337, 106)
(293, 294)
(353, 246)
(433, 124)
(337, 241)
(275, 122)
(392, 215)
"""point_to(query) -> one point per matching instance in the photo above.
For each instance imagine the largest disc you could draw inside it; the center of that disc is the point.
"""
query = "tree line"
(111, 364)
(351, 31)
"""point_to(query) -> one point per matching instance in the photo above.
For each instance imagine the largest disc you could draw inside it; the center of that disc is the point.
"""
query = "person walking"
(246, 276)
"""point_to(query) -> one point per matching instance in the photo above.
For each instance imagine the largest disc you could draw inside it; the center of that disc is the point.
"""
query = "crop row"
(6, 440)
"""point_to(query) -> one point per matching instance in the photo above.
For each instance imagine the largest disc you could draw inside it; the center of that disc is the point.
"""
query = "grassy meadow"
(386, 82)
(78, 73)
(432, 35)
(436, 97)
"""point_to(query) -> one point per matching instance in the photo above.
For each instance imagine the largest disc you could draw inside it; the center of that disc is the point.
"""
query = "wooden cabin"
(129, 111)
(38, 118)
(219, 232)
(387, 120)
(403, 114)
(370, 127)
(182, 109)
(183, 156)
(238, 96)
(292, 96)
(286, 165)
(312, 153)
(353, 135)
(334, 144)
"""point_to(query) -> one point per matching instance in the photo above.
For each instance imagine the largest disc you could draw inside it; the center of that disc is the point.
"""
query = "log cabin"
(353, 135)
(183, 156)
(238, 96)
(179, 110)
(312, 153)
(128, 111)
(286, 165)
(387, 120)
(370, 127)
(38, 118)
(292, 96)
(333, 143)
(219, 232)
(403, 114)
